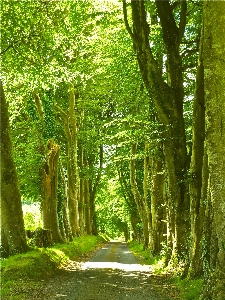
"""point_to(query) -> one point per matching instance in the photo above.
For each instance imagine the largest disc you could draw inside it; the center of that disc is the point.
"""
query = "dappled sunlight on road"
(116, 265)
(112, 273)
(117, 256)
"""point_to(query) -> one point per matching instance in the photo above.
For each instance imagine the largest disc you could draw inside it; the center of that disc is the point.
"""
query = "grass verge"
(185, 289)
(24, 273)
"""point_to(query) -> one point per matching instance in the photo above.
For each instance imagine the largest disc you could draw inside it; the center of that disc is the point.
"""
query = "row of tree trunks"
(71, 132)
(151, 204)
(141, 200)
(130, 201)
(168, 100)
(81, 190)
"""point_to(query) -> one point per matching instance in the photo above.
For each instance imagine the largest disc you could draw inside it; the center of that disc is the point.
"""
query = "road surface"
(113, 273)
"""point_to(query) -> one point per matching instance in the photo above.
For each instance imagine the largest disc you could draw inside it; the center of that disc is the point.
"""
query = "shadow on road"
(113, 273)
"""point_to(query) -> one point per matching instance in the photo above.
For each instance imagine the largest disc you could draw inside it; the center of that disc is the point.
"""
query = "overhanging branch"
(126, 20)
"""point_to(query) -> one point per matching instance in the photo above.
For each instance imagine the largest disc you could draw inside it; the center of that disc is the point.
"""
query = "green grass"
(23, 272)
(144, 256)
(188, 289)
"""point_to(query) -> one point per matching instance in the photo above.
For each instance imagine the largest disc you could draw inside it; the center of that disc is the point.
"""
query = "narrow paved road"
(113, 273)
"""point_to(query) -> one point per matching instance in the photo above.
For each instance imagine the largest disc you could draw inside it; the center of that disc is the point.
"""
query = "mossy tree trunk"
(214, 75)
(13, 239)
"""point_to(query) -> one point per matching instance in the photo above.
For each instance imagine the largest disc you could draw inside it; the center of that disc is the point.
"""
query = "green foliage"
(31, 216)
(145, 256)
(189, 289)
(112, 212)
(23, 272)
(79, 247)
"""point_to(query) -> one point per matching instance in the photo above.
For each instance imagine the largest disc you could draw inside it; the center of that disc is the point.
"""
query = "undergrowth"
(188, 289)
(22, 273)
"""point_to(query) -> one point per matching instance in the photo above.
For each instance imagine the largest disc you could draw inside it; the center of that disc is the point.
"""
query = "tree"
(13, 238)
(197, 194)
(168, 99)
(141, 200)
(49, 201)
(214, 82)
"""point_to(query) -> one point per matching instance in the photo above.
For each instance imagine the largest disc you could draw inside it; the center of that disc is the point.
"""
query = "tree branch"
(126, 20)
(61, 111)
(7, 48)
(169, 28)
(39, 106)
(183, 13)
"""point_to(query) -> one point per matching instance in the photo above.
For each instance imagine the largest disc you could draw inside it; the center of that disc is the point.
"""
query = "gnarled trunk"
(49, 203)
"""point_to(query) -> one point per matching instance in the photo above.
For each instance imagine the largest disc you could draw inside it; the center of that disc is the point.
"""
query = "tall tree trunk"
(13, 239)
(157, 204)
(82, 193)
(141, 201)
(196, 200)
(213, 58)
(87, 207)
(49, 204)
(65, 215)
(71, 131)
(168, 100)
(130, 201)
(93, 185)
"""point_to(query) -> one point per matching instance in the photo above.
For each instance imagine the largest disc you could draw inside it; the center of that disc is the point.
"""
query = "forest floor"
(112, 273)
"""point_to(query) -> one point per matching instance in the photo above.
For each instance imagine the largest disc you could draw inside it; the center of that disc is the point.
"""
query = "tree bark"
(49, 203)
(157, 204)
(82, 193)
(141, 201)
(196, 169)
(93, 185)
(213, 58)
(13, 238)
(130, 201)
(71, 131)
(65, 214)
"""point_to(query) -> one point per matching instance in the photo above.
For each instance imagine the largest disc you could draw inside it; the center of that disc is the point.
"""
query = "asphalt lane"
(113, 273)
